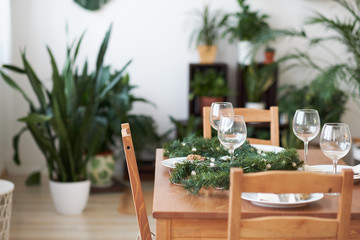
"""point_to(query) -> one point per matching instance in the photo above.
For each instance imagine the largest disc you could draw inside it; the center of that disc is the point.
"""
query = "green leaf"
(13, 68)
(16, 139)
(115, 81)
(36, 118)
(58, 85)
(34, 179)
(35, 83)
(13, 84)
(100, 58)
(78, 46)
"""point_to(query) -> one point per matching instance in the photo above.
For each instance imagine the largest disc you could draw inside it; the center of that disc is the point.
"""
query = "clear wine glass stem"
(231, 150)
(306, 147)
(335, 166)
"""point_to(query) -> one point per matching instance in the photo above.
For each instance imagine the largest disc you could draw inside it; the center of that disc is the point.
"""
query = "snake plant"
(61, 121)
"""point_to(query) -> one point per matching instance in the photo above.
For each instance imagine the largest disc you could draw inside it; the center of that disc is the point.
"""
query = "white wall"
(155, 34)
(5, 105)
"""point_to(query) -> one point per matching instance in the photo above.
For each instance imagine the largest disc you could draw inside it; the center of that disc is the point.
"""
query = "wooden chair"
(251, 115)
(289, 227)
(137, 193)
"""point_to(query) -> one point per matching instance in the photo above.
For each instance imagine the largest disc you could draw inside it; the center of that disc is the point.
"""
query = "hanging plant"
(91, 4)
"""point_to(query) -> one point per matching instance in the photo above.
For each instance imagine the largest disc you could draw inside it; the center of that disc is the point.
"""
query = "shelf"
(194, 105)
(269, 97)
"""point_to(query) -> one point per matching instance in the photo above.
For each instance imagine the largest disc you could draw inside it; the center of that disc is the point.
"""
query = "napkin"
(276, 198)
(268, 197)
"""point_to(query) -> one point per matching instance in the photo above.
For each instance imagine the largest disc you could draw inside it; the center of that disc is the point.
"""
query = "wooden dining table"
(181, 215)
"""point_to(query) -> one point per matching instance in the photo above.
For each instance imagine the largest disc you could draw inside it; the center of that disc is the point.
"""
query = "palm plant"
(347, 33)
(326, 91)
(207, 29)
(60, 125)
(344, 31)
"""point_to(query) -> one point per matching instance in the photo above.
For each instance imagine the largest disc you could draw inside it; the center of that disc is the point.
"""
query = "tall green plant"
(258, 80)
(60, 124)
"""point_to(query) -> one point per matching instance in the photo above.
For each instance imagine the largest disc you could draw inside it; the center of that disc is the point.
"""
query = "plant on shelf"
(206, 33)
(61, 124)
(209, 86)
(244, 26)
(257, 81)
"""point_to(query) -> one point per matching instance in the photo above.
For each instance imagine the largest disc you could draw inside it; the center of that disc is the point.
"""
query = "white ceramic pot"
(255, 105)
(244, 52)
(70, 198)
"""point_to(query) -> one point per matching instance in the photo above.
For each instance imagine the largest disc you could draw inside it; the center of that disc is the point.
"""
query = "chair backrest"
(135, 183)
(251, 115)
(289, 227)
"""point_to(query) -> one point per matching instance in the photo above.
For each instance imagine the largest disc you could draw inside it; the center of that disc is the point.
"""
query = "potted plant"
(209, 86)
(116, 108)
(244, 26)
(101, 166)
(257, 81)
(205, 34)
(269, 55)
(60, 124)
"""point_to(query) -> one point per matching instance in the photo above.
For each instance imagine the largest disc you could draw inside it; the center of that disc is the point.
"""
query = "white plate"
(329, 169)
(253, 198)
(268, 148)
(170, 163)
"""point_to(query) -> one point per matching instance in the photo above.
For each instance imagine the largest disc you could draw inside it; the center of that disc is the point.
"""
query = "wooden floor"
(107, 216)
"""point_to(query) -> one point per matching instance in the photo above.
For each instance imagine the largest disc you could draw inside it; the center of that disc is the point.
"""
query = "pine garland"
(214, 171)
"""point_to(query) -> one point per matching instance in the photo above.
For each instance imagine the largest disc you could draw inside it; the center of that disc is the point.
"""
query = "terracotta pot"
(207, 53)
(207, 101)
(269, 57)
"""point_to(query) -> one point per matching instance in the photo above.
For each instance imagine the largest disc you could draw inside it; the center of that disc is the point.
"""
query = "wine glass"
(306, 126)
(335, 141)
(232, 132)
(219, 109)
